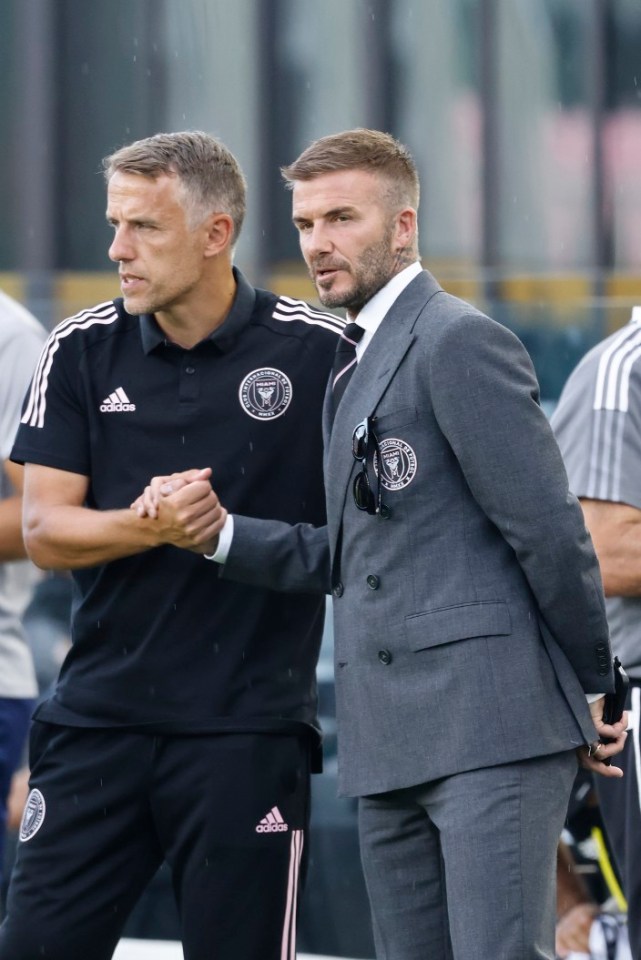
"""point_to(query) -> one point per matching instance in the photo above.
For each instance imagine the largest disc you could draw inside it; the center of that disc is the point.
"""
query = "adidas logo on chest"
(117, 402)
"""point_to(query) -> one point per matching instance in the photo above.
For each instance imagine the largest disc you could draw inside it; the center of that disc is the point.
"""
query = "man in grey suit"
(468, 607)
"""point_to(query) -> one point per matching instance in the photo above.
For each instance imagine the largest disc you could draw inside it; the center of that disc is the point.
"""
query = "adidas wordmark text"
(117, 402)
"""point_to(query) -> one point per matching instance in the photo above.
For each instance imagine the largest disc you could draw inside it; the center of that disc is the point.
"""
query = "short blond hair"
(361, 149)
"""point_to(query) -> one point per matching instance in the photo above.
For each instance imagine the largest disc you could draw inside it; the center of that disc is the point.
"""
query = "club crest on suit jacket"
(398, 463)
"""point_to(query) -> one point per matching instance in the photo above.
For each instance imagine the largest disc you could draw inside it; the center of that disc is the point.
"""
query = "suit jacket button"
(373, 582)
(603, 672)
(601, 648)
(385, 656)
(338, 590)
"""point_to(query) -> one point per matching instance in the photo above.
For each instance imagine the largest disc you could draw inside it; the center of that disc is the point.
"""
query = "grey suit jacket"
(469, 623)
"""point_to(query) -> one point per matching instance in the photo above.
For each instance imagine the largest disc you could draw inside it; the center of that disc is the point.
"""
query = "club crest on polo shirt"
(33, 815)
(265, 394)
(398, 463)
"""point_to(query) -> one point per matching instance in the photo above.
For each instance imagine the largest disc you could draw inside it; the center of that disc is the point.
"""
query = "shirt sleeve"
(53, 430)
(19, 357)
(599, 433)
(225, 539)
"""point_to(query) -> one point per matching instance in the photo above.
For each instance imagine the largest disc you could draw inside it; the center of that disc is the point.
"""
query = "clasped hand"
(186, 508)
(611, 741)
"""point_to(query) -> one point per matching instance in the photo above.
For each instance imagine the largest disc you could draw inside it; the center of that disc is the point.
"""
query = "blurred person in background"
(597, 423)
(183, 726)
(21, 339)
(46, 626)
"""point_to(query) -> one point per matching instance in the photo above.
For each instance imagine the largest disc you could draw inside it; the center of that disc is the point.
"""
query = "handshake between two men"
(187, 506)
(190, 510)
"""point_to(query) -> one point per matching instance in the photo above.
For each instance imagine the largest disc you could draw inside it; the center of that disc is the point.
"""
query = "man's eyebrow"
(335, 211)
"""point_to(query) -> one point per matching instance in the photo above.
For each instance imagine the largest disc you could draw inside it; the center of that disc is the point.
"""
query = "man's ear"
(406, 227)
(220, 231)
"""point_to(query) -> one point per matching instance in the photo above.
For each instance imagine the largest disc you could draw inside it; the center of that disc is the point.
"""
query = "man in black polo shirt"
(183, 726)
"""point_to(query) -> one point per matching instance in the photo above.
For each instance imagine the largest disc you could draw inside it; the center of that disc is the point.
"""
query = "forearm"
(621, 565)
(61, 533)
(615, 529)
(71, 537)
(11, 542)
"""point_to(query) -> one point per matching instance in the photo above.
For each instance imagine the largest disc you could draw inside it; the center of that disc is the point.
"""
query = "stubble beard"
(374, 268)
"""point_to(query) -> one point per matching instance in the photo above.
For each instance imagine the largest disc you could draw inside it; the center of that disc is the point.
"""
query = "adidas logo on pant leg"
(272, 823)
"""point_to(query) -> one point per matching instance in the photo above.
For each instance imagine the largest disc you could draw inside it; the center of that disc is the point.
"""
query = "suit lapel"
(371, 378)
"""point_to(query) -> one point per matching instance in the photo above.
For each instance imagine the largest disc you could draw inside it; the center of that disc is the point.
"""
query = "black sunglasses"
(368, 494)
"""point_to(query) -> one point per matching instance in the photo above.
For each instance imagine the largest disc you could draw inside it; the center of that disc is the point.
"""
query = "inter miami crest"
(397, 463)
(33, 816)
(265, 394)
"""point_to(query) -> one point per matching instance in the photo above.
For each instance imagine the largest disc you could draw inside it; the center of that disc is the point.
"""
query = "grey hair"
(210, 176)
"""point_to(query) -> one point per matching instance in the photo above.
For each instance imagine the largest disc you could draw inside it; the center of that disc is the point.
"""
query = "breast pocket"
(396, 460)
(461, 622)
(394, 420)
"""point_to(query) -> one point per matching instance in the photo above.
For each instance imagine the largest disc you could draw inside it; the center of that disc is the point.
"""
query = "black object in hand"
(615, 702)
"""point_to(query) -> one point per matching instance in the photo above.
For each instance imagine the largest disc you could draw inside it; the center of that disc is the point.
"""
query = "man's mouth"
(325, 272)
(129, 280)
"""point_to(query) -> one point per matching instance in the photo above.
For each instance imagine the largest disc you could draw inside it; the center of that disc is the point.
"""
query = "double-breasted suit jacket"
(470, 622)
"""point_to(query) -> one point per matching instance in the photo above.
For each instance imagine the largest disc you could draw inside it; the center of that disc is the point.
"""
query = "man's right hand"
(185, 505)
(146, 505)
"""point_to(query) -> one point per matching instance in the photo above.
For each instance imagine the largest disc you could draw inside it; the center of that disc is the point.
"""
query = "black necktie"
(345, 360)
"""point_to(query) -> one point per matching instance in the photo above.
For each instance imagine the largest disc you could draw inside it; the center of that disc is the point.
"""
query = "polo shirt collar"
(224, 335)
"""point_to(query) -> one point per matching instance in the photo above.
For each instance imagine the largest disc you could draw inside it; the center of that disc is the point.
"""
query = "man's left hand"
(611, 741)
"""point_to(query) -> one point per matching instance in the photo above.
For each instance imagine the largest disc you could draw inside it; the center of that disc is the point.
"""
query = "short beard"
(375, 267)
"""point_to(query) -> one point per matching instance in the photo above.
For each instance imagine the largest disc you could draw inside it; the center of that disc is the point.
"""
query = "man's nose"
(317, 240)
(120, 247)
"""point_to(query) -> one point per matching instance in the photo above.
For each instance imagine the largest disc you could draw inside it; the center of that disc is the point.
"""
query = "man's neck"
(189, 323)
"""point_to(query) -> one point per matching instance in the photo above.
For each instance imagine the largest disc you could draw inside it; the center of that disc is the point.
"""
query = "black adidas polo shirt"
(159, 639)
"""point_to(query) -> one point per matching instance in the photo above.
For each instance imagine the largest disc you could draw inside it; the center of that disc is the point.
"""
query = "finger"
(208, 539)
(144, 505)
(603, 769)
(201, 519)
(161, 486)
(176, 481)
(206, 525)
(191, 493)
(604, 751)
(613, 730)
(188, 513)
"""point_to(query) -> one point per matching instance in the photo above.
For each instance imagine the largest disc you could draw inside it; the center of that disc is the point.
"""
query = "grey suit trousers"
(464, 868)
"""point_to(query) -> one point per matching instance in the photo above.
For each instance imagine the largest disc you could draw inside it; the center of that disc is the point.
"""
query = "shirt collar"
(224, 335)
(372, 314)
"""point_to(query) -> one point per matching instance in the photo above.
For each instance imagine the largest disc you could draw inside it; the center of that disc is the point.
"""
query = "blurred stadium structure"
(525, 119)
